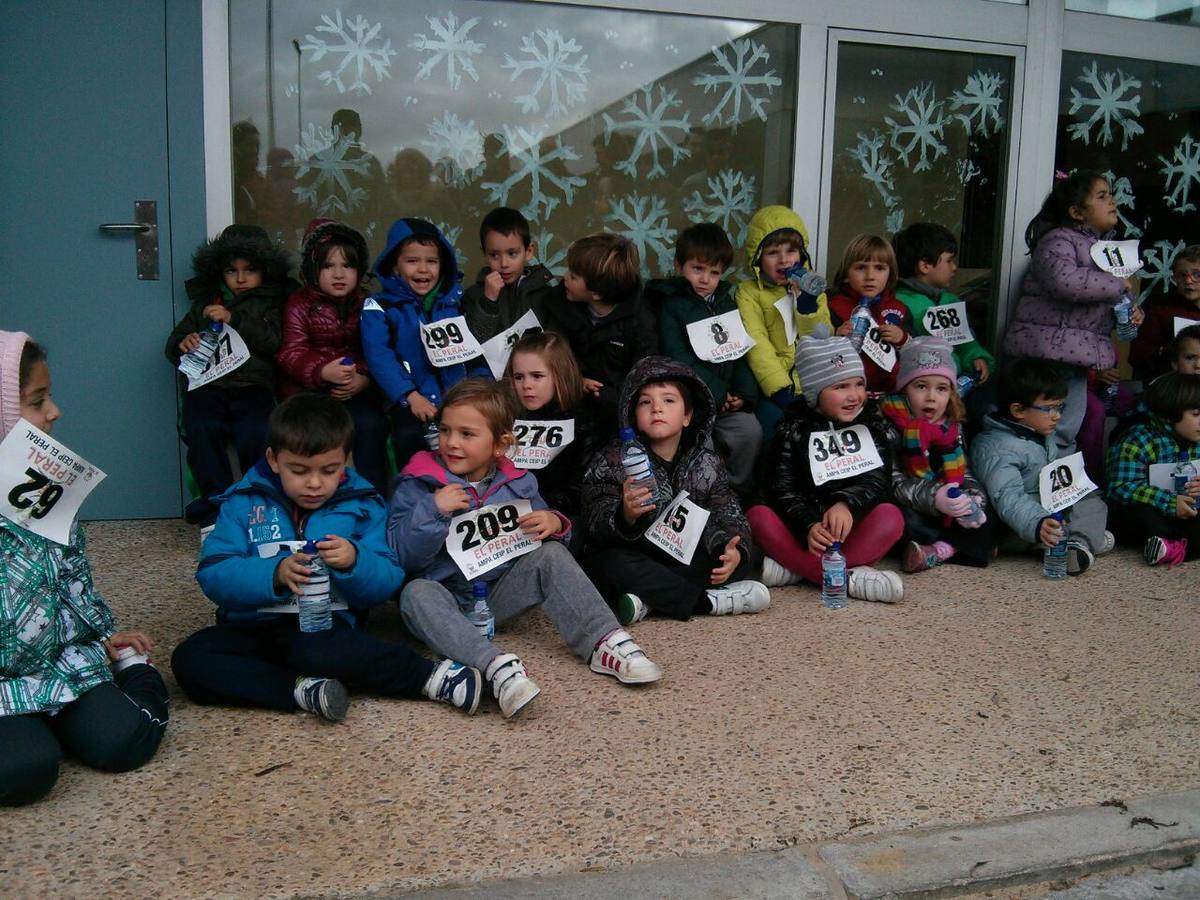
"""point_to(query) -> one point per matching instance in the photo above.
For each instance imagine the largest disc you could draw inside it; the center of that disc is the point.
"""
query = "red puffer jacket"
(317, 330)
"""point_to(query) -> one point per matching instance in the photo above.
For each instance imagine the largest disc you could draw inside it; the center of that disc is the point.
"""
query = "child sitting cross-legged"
(673, 413)
(469, 470)
(256, 654)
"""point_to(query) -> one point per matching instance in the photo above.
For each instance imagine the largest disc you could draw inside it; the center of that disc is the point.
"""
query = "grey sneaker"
(1079, 558)
(739, 597)
(325, 697)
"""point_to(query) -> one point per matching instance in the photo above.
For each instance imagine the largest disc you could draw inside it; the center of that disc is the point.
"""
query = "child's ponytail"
(1070, 190)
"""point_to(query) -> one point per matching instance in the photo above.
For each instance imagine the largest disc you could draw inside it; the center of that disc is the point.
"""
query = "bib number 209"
(48, 494)
(487, 526)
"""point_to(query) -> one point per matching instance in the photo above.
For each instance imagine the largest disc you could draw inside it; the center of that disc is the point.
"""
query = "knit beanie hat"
(11, 345)
(822, 361)
(921, 356)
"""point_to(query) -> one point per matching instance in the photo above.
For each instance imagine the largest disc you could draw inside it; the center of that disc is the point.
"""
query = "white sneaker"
(630, 609)
(205, 532)
(455, 684)
(739, 597)
(774, 574)
(1110, 541)
(128, 656)
(619, 656)
(511, 684)
(875, 585)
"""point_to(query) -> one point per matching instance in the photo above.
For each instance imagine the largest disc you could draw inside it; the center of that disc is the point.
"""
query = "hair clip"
(1060, 175)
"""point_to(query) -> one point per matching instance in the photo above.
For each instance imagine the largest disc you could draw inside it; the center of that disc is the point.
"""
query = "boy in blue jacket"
(421, 284)
(256, 654)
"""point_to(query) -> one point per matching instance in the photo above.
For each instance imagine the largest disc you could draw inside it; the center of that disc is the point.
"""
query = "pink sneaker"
(1164, 550)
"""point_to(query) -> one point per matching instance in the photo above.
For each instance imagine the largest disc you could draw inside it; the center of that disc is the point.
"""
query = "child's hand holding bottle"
(337, 552)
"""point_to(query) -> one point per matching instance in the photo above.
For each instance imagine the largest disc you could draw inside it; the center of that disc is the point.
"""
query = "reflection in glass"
(1175, 12)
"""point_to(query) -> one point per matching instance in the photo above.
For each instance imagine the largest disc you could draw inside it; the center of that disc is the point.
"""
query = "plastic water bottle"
(636, 464)
(1185, 471)
(477, 612)
(1054, 562)
(861, 322)
(805, 281)
(966, 384)
(975, 514)
(194, 362)
(1111, 393)
(433, 437)
(316, 613)
(833, 577)
(1122, 312)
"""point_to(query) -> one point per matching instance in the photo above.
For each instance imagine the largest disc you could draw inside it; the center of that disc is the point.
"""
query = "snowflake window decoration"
(564, 79)
(729, 201)
(353, 39)
(451, 232)
(456, 148)
(555, 261)
(1185, 166)
(1122, 192)
(651, 125)
(980, 100)
(1109, 105)
(524, 148)
(322, 154)
(876, 165)
(450, 42)
(645, 222)
(922, 127)
(1156, 271)
(737, 78)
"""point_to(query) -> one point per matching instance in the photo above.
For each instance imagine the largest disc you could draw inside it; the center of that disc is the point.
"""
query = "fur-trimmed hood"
(248, 242)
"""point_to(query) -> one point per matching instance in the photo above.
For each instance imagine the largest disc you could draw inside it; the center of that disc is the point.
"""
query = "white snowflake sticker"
(525, 150)
(875, 164)
(922, 128)
(730, 201)
(645, 222)
(1156, 270)
(563, 78)
(651, 125)
(323, 153)
(554, 260)
(456, 148)
(1185, 166)
(1122, 192)
(1109, 105)
(353, 40)
(738, 79)
(981, 101)
(450, 43)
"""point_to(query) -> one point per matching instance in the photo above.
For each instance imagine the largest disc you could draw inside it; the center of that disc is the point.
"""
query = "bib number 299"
(48, 494)
(439, 337)
(487, 526)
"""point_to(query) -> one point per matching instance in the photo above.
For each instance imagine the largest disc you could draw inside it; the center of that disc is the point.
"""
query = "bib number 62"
(48, 494)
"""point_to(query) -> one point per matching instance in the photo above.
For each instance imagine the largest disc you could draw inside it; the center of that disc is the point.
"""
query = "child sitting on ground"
(695, 294)
(930, 464)
(257, 654)
(470, 470)
(774, 316)
(241, 281)
(672, 412)
(69, 681)
(1164, 523)
(1148, 351)
(831, 475)
(511, 283)
(1008, 456)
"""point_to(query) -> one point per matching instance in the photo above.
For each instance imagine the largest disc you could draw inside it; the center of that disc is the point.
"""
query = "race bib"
(833, 455)
(721, 338)
(497, 350)
(538, 443)
(949, 322)
(678, 528)
(787, 308)
(272, 549)
(1119, 258)
(449, 342)
(1162, 475)
(1063, 482)
(42, 482)
(878, 350)
(230, 353)
(1181, 324)
(487, 537)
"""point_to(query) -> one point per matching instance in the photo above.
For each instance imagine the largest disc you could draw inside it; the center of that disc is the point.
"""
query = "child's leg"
(370, 438)
(29, 758)
(1076, 405)
(206, 432)
(116, 727)
(240, 664)
(776, 539)
(873, 536)
(359, 661)
(1088, 520)
(1133, 523)
(669, 589)
(432, 614)
(739, 439)
(249, 409)
(408, 435)
(972, 546)
(550, 576)
(1090, 439)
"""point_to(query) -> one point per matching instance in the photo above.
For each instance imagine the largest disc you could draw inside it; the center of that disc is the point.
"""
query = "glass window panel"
(1175, 12)
(586, 119)
(922, 136)
(1138, 121)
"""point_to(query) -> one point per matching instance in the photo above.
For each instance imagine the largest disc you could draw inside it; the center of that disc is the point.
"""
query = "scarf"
(921, 438)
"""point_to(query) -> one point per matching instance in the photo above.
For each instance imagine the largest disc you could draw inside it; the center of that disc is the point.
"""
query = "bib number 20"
(1060, 478)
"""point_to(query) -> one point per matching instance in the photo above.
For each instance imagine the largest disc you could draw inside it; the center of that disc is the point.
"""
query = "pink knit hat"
(925, 356)
(11, 345)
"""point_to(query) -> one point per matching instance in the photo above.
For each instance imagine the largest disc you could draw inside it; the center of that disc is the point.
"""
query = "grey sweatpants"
(548, 576)
(1086, 523)
(739, 438)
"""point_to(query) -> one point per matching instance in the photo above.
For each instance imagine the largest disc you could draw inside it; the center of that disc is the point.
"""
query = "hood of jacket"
(320, 232)
(427, 467)
(653, 369)
(397, 288)
(767, 220)
(248, 242)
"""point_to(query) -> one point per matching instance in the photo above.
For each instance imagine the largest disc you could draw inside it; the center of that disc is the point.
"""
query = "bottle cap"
(310, 547)
(836, 546)
(626, 435)
(954, 492)
(347, 361)
(479, 589)
(1057, 517)
(216, 327)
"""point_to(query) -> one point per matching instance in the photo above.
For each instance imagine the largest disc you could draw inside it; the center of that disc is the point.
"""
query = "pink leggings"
(872, 537)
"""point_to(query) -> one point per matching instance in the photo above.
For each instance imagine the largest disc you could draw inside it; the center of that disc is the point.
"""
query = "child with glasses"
(1008, 456)
(1148, 354)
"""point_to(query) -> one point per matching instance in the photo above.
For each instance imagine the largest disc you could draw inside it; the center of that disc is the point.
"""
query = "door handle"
(144, 228)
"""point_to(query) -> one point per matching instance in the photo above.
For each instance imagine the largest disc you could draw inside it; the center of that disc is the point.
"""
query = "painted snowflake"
(554, 260)
(894, 221)
(450, 42)
(1122, 191)
(564, 79)
(737, 78)
(876, 165)
(644, 220)
(980, 100)
(1185, 166)
(967, 170)
(922, 127)
(525, 149)
(456, 148)
(1156, 270)
(353, 39)
(1108, 104)
(650, 123)
(324, 171)
(451, 232)
(729, 201)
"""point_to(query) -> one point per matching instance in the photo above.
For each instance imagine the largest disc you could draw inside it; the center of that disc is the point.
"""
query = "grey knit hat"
(921, 356)
(822, 361)
(12, 343)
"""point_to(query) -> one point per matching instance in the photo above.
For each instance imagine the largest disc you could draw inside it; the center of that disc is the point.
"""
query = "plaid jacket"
(1151, 440)
(52, 623)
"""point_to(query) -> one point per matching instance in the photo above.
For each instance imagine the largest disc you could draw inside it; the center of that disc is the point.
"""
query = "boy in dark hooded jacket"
(647, 553)
(241, 281)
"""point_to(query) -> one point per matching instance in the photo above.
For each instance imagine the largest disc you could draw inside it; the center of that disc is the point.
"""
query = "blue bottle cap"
(310, 547)
(347, 361)
(836, 546)
(216, 327)
(954, 492)
(626, 435)
(479, 589)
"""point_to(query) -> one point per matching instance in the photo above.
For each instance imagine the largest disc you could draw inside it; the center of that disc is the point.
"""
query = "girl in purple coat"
(1065, 313)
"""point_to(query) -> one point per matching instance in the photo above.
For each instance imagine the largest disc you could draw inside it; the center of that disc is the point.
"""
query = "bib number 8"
(488, 526)
(438, 337)
(48, 494)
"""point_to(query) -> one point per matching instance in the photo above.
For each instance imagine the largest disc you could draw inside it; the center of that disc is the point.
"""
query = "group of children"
(773, 423)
